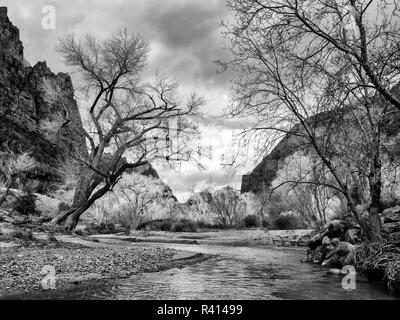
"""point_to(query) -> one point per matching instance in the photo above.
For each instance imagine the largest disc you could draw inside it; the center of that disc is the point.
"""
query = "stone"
(316, 241)
(344, 248)
(326, 241)
(316, 255)
(342, 254)
(335, 271)
(336, 228)
(335, 242)
(353, 236)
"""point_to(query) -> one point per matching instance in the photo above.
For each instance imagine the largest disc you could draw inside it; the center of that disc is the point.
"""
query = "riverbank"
(341, 244)
(241, 237)
(78, 263)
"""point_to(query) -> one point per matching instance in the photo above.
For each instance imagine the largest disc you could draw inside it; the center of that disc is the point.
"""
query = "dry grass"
(380, 261)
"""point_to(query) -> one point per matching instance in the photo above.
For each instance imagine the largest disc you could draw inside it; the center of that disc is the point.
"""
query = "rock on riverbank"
(340, 244)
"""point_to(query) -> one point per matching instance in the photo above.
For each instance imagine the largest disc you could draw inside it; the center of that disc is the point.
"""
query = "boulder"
(335, 271)
(353, 236)
(317, 255)
(326, 241)
(343, 249)
(336, 228)
(316, 241)
(335, 242)
(343, 254)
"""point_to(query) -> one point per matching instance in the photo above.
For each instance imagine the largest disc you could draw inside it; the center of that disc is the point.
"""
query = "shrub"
(251, 221)
(182, 225)
(155, 225)
(102, 228)
(190, 226)
(207, 225)
(287, 222)
(26, 204)
(178, 226)
(165, 225)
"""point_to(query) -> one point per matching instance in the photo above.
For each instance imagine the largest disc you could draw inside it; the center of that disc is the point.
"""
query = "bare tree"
(11, 167)
(138, 192)
(130, 122)
(228, 206)
(324, 71)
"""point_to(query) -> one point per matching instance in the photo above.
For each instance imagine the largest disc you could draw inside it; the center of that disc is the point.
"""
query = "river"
(235, 273)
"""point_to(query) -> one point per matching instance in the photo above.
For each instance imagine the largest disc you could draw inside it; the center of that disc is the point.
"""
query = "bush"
(26, 204)
(156, 225)
(288, 222)
(102, 228)
(183, 225)
(178, 227)
(208, 225)
(165, 225)
(251, 221)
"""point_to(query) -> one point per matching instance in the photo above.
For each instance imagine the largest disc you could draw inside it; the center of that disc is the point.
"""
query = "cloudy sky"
(185, 40)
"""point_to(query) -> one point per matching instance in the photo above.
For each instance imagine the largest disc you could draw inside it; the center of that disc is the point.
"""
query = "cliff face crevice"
(29, 119)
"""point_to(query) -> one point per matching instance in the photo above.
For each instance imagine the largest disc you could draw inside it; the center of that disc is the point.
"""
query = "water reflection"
(244, 273)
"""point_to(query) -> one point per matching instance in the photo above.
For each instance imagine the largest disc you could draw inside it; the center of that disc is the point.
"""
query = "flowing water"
(236, 273)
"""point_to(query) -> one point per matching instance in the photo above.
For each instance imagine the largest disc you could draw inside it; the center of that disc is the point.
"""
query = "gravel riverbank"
(23, 268)
(84, 261)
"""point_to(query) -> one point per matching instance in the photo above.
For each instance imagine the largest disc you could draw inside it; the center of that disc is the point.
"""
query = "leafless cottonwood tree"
(11, 166)
(138, 192)
(227, 206)
(130, 122)
(325, 71)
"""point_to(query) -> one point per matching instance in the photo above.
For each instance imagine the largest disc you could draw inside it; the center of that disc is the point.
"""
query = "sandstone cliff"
(29, 119)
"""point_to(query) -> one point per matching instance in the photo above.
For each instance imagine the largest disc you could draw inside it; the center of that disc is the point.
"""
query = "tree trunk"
(83, 191)
(73, 219)
(375, 185)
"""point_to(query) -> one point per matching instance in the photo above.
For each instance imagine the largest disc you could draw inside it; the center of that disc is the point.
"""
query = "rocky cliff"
(30, 119)
(264, 173)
